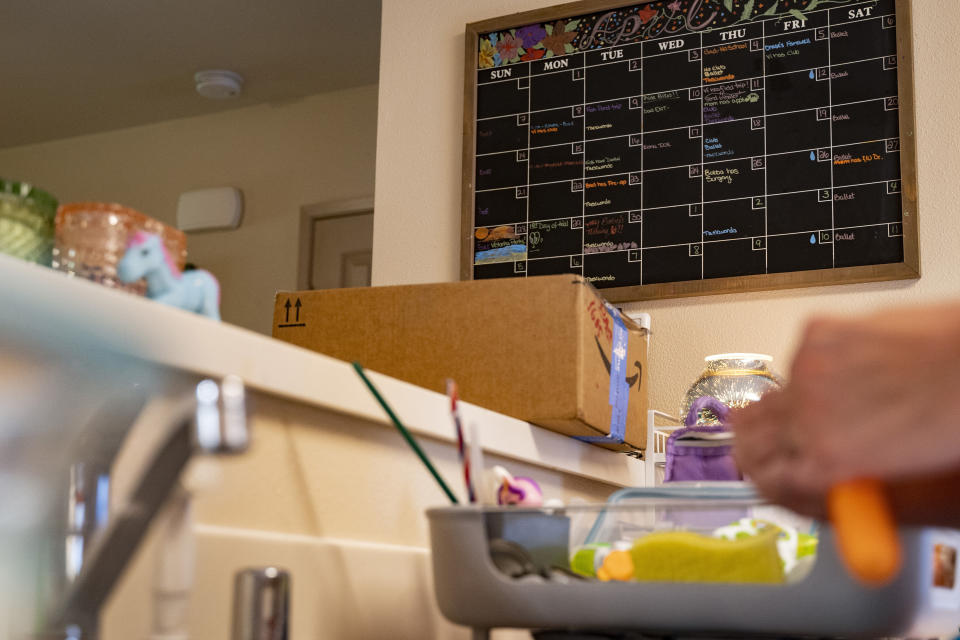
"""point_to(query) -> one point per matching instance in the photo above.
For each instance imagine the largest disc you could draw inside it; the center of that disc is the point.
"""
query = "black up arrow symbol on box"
(286, 320)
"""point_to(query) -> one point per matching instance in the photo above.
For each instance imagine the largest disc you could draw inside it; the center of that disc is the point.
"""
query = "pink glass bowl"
(91, 238)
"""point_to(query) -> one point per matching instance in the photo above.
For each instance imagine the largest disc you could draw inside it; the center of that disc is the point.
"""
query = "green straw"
(406, 434)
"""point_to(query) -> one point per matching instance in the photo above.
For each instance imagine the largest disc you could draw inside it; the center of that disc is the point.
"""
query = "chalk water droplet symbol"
(813, 157)
(813, 238)
(812, 74)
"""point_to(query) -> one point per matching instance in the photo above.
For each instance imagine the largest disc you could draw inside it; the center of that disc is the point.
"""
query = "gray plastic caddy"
(506, 567)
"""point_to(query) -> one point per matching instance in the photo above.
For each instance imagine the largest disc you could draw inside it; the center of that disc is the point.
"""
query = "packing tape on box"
(619, 389)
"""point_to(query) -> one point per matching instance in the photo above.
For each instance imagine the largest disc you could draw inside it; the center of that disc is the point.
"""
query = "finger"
(758, 429)
(778, 481)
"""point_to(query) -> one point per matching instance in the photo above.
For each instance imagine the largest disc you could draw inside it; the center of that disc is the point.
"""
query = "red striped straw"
(454, 396)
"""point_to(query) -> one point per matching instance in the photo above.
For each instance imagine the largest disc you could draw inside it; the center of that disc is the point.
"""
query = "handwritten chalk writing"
(711, 115)
(595, 108)
(714, 149)
(610, 29)
(846, 158)
(608, 225)
(606, 183)
(556, 164)
(788, 44)
(726, 48)
(608, 247)
(736, 89)
(613, 27)
(720, 232)
(496, 244)
(725, 175)
(600, 164)
(550, 127)
(663, 95)
(724, 78)
(551, 225)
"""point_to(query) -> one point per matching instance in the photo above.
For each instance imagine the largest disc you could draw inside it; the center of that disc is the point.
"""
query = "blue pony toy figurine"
(147, 258)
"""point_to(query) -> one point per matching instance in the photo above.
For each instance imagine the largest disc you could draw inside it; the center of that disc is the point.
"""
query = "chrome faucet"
(99, 540)
(261, 604)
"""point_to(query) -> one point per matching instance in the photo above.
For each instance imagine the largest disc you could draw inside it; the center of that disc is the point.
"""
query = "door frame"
(309, 214)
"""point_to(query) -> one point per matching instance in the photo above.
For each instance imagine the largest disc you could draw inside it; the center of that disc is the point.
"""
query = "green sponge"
(586, 559)
(684, 556)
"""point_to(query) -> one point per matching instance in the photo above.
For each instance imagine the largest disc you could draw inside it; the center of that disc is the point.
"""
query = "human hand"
(868, 397)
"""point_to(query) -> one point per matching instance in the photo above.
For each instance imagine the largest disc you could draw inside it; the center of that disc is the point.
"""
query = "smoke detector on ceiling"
(218, 84)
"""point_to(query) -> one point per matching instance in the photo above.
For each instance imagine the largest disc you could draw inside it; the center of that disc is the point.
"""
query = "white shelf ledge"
(57, 314)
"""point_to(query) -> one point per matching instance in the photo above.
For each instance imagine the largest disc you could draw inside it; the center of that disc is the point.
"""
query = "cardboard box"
(539, 349)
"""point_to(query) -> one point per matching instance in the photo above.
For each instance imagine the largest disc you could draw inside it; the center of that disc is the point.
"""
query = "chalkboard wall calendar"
(692, 146)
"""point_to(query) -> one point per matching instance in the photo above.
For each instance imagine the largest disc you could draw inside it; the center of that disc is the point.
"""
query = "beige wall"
(419, 173)
(284, 156)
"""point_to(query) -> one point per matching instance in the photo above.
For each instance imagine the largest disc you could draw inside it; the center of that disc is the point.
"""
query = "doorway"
(336, 244)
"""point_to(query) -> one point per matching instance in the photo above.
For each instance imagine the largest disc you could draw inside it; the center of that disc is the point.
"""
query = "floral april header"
(630, 24)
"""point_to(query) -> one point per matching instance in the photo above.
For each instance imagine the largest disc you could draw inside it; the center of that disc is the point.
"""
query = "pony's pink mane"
(140, 237)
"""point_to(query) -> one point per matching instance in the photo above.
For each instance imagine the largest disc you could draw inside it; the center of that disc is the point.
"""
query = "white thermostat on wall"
(207, 209)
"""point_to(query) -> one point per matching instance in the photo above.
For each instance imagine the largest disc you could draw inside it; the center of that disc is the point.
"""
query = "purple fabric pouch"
(702, 453)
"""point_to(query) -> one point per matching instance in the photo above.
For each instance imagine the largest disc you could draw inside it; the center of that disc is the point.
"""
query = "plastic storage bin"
(501, 567)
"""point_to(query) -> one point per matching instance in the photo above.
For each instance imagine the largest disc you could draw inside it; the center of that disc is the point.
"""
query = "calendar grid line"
(738, 199)
(686, 88)
(712, 124)
(718, 241)
(682, 166)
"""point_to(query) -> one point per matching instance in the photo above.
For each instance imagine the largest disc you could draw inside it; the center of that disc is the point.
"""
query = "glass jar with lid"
(735, 379)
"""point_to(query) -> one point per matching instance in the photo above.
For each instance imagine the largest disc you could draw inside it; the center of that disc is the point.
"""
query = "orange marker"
(865, 531)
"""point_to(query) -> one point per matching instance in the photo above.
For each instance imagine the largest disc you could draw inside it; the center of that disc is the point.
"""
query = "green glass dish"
(26, 221)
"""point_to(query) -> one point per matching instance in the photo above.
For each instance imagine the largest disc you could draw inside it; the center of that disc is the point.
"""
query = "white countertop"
(46, 311)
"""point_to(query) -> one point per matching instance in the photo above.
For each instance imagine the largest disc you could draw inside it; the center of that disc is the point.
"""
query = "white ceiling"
(70, 67)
